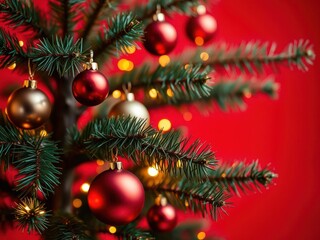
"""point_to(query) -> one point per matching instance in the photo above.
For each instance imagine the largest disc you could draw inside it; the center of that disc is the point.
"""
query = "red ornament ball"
(160, 38)
(90, 87)
(201, 28)
(116, 197)
(162, 218)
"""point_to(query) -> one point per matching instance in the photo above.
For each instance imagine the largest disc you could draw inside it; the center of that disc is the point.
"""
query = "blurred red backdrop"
(284, 132)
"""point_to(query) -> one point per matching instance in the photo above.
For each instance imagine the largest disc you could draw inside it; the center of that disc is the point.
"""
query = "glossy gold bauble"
(28, 107)
(130, 107)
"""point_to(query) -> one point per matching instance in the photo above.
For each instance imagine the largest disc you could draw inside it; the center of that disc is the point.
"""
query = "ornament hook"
(158, 16)
(127, 87)
(91, 56)
(31, 73)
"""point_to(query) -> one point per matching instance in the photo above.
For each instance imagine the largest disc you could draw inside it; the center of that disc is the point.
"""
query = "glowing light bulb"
(199, 41)
(43, 133)
(130, 49)
(153, 172)
(204, 56)
(112, 229)
(125, 65)
(164, 124)
(100, 162)
(116, 94)
(85, 187)
(12, 66)
(153, 93)
(77, 203)
(164, 60)
(169, 92)
(21, 43)
(201, 235)
(187, 116)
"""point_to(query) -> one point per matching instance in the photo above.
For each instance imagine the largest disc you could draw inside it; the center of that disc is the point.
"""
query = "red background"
(284, 132)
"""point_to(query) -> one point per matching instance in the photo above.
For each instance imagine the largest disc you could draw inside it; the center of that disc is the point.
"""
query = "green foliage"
(35, 158)
(97, 11)
(10, 50)
(62, 55)
(132, 232)
(146, 12)
(186, 84)
(65, 226)
(242, 176)
(207, 198)
(123, 31)
(22, 13)
(66, 14)
(143, 145)
(254, 56)
(31, 215)
(226, 93)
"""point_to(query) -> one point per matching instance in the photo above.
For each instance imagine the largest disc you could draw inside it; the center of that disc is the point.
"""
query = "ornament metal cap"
(161, 201)
(30, 83)
(116, 165)
(130, 97)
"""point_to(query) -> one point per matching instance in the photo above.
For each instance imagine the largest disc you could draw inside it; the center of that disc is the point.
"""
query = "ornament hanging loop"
(31, 73)
(127, 87)
(91, 57)
(158, 16)
(115, 164)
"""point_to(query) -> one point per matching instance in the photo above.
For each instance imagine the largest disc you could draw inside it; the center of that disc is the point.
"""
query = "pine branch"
(98, 10)
(188, 84)
(62, 55)
(143, 145)
(22, 13)
(65, 14)
(123, 31)
(65, 227)
(242, 176)
(254, 56)
(10, 50)
(34, 157)
(131, 232)
(176, 6)
(206, 198)
(226, 93)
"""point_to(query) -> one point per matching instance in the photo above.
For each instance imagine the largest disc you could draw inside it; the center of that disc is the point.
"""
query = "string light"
(153, 93)
(187, 116)
(125, 65)
(199, 41)
(153, 172)
(116, 94)
(85, 187)
(169, 92)
(100, 162)
(223, 175)
(43, 133)
(77, 203)
(129, 49)
(201, 235)
(12, 66)
(164, 60)
(112, 229)
(21, 43)
(179, 164)
(164, 125)
(204, 56)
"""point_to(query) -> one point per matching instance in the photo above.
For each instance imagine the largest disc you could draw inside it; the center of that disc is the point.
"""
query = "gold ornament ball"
(130, 107)
(28, 107)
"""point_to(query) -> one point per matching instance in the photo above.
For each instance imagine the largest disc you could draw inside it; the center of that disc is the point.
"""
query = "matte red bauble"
(162, 218)
(116, 197)
(201, 28)
(90, 87)
(28, 107)
(160, 38)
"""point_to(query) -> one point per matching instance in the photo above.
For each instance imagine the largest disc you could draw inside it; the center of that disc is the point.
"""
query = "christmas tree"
(82, 115)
